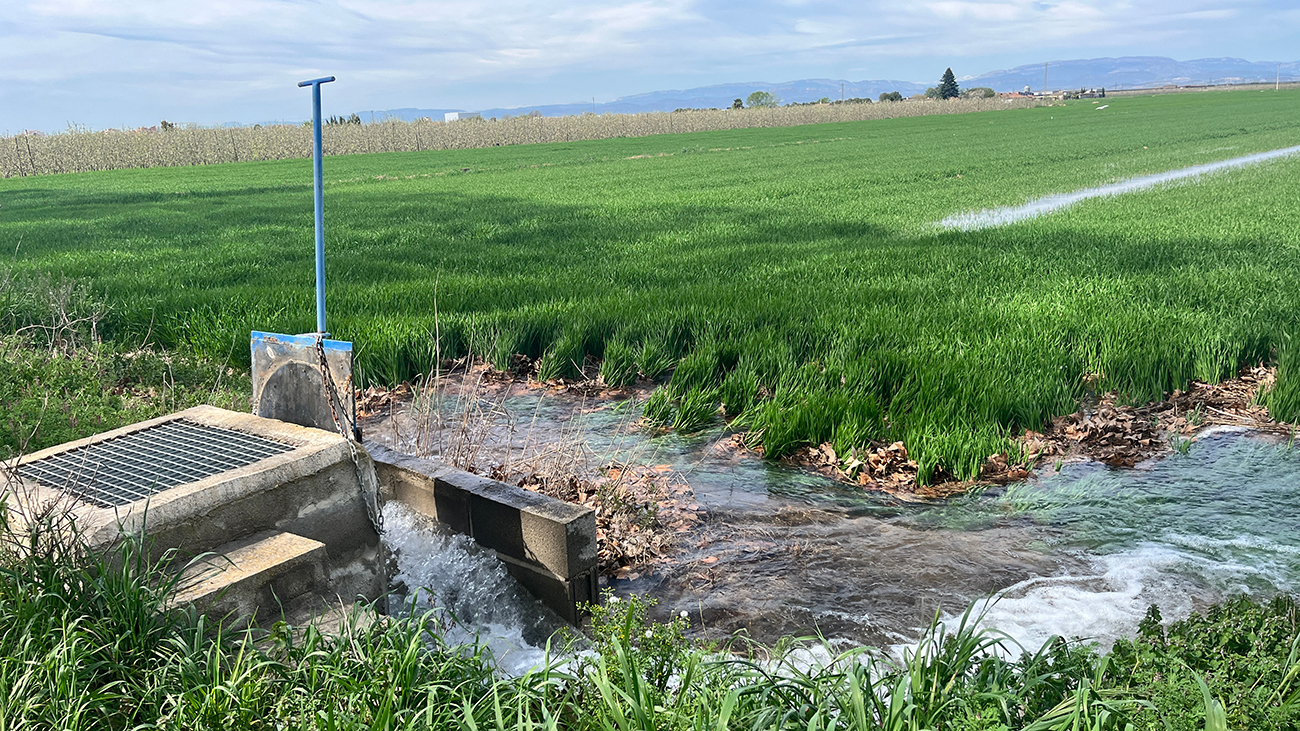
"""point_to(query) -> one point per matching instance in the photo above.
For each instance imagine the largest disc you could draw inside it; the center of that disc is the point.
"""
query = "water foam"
(1179, 574)
(991, 217)
(469, 589)
(1101, 606)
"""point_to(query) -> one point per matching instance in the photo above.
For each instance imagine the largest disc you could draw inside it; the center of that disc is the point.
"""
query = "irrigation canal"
(1082, 551)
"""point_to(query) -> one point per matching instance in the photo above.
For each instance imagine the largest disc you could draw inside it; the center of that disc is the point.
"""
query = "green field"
(803, 260)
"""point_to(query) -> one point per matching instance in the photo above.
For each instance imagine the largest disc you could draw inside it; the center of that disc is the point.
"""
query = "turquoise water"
(1080, 552)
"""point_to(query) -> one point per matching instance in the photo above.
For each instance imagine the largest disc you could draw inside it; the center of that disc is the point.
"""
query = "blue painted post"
(318, 174)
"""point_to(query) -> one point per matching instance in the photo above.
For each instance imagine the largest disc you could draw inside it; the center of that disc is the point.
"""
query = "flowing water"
(991, 217)
(1081, 552)
(468, 589)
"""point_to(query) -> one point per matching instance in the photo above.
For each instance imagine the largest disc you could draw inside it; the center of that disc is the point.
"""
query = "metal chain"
(366, 479)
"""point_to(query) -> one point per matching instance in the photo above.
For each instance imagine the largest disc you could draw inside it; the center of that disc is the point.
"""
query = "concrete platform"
(294, 525)
(311, 491)
(245, 581)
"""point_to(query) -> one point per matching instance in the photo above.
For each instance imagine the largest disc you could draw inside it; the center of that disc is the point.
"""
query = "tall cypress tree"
(948, 85)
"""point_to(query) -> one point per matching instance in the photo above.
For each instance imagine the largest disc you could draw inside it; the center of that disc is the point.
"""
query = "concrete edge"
(548, 545)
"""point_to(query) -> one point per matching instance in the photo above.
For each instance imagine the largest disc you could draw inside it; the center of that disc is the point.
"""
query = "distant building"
(457, 116)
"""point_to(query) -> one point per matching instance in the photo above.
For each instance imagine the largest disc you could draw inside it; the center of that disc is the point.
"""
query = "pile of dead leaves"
(884, 467)
(999, 470)
(1122, 435)
(640, 510)
(1119, 436)
(375, 400)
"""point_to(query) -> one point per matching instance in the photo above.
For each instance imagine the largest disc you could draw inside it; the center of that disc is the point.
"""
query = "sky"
(129, 63)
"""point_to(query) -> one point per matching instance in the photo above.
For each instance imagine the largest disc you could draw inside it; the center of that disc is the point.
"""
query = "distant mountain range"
(1111, 73)
(1135, 71)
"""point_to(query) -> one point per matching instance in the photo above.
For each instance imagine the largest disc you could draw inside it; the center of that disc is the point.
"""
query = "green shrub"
(1247, 653)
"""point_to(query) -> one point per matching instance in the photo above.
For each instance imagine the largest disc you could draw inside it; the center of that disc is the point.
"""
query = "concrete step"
(256, 579)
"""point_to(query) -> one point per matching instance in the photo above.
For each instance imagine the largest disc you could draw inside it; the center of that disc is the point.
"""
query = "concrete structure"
(459, 116)
(291, 532)
(255, 576)
(288, 383)
(310, 492)
(548, 545)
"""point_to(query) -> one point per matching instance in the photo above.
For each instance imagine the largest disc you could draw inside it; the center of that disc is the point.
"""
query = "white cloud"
(133, 61)
(963, 10)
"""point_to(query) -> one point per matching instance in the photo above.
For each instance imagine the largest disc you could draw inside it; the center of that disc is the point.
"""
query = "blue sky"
(109, 63)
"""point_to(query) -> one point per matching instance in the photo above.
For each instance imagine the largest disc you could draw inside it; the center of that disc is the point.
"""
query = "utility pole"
(593, 105)
(1277, 84)
(1045, 78)
(842, 91)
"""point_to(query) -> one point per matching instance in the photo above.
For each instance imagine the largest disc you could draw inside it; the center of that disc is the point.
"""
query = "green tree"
(947, 88)
(762, 99)
(738, 104)
(891, 96)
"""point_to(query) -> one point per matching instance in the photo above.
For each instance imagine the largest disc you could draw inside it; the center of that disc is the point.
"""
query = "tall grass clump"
(618, 367)
(92, 639)
(1283, 399)
(563, 359)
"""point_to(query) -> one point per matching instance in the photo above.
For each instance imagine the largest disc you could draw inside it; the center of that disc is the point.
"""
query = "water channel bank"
(777, 550)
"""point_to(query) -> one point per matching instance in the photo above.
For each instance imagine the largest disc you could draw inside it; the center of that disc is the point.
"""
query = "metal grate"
(125, 469)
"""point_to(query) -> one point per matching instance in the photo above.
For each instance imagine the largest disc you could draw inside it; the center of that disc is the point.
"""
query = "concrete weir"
(280, 512)
(548, 545)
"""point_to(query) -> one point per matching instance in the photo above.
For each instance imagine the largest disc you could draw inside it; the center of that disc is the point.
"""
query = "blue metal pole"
(318, 175)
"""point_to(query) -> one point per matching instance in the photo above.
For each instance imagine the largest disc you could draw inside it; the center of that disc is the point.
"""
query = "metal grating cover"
(124, 469)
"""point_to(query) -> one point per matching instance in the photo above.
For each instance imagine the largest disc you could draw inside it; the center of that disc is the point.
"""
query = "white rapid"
(469, 589)
(991, 217)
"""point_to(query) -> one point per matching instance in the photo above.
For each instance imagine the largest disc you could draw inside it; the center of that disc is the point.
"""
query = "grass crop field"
(796, 274)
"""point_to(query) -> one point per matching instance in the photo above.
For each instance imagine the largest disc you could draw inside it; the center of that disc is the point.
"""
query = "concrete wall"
(311, 491)
(548, 545)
